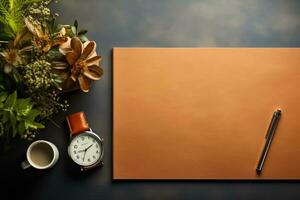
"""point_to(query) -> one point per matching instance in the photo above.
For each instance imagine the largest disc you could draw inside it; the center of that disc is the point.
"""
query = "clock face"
(85, 149)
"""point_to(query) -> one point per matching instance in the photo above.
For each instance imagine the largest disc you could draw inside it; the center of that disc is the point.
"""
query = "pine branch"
(32, 1)
(11, 4)
(16, 14)
(2, 19)
(12, 15)
(4, 7)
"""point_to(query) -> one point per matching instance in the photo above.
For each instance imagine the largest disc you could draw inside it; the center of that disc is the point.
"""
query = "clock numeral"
(94, 157)
(77, 156)
(82, 138)
(97, 145)
(89, 160)
(74, 152)
(97, 151)
(75, 146)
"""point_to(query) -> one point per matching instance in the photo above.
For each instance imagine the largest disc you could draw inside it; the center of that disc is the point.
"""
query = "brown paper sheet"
(202, 113)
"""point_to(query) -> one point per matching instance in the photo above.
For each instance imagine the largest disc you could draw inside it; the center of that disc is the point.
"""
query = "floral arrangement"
(39, 60)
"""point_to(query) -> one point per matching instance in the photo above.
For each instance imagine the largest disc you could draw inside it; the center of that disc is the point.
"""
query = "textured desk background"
(152, 23)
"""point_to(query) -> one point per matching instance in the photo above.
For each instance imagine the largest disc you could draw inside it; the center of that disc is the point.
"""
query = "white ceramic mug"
(41, 154)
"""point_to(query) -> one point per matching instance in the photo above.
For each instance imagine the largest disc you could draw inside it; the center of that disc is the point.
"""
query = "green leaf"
(23, 106)
(52, 25)
(5, 37)
(14, 131)
(82, 32)
(39, 125)
(33, 125)
(15, 77)
(5, 117)
(11, 100)
(58, 79)
(32, 114)
(54, 54)
(76, 24)
(13, 122)
(21, 128)
(74, 30)
(12, 118)
(83, 38)
(3, 96)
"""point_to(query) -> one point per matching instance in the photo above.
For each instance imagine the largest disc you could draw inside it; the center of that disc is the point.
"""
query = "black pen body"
(269, 138)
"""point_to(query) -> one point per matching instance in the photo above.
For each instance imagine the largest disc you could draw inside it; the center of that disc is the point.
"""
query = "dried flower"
(12, 55)
(11, 58)
(83, 61)
(42, 39)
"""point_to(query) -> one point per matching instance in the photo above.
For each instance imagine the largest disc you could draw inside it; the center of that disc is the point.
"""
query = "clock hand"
(88, 147)
(82, 150)
(84, 155)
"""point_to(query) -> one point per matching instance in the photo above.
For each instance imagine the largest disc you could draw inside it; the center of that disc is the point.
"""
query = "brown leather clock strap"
(77, 123)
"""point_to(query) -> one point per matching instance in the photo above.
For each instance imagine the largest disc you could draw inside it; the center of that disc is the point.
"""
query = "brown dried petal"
(28, 48)
(60, 40)
(64, 51)
(20, 38)
(94, 60)
(74, 77)
(76, 45)
(65, 47)
(71, 57)
(38, 32)
(69, 84)
(46, 48)
(94, 72)
(29, 25)
(59, 65)
(84, 83)
(88, 50)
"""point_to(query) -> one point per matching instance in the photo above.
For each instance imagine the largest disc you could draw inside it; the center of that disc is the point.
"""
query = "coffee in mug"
(41, 154)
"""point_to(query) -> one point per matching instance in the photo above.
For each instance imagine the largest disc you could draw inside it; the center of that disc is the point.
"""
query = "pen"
(269, 137)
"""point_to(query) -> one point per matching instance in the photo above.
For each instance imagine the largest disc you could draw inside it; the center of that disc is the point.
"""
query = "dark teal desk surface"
(151, 23)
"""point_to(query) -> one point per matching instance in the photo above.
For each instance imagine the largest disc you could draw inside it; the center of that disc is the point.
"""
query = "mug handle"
(25, 164)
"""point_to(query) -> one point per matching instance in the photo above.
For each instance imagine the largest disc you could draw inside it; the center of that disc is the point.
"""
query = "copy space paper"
(203, 113)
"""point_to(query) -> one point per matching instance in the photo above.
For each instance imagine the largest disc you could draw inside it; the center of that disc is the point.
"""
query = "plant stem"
(54, 123)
